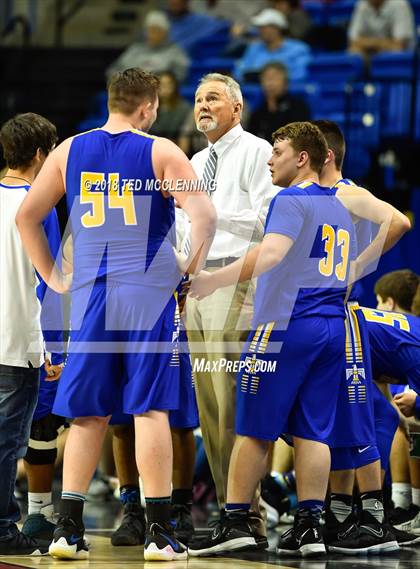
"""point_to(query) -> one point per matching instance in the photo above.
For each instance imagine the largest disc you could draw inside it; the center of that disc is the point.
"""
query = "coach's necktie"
(209, 185)
(210, 171)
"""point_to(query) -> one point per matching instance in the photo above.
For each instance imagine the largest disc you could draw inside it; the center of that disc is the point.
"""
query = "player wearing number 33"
(303, 265)
(125, 274)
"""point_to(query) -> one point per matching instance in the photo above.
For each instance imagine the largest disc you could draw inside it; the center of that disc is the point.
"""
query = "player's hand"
(60, 282)
(406, 402)
(203, 285)
(53, 371)
(182, 295)
(181, 261)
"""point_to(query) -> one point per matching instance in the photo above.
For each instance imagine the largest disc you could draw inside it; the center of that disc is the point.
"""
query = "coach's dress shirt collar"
(226, 140)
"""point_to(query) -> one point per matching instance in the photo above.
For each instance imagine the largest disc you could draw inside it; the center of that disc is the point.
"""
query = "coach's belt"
(220, 262)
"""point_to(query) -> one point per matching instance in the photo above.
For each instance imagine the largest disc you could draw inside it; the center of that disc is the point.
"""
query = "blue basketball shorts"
(353, 457)
(290, 379)
(186, 417)
(355, 423)
(46, 396)
(118, 361)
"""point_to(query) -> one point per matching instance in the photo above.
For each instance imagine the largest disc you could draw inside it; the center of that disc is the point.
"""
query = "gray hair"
(233, 89)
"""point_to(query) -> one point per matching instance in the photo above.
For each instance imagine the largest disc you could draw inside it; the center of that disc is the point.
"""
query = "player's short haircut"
(335, 140)
(233, 89)
(129, 88)
(305, 136)
(415, 307)
(21, 137)
(401, 286)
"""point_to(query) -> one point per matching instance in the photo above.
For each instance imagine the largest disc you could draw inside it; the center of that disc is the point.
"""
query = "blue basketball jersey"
(311, 280)
(122, 224)
(364, 236)
(395, 345)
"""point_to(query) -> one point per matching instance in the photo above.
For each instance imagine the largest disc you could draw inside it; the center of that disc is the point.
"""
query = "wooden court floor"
(103, 554)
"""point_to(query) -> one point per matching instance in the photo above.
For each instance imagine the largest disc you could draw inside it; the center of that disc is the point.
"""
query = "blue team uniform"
(353, 440)
(298, 321)
(186, 416)
(395, 345)
(122, 337)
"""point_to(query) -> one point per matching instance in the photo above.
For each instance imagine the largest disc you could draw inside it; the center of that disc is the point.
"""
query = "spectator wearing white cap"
(156, 53)
(273, 47)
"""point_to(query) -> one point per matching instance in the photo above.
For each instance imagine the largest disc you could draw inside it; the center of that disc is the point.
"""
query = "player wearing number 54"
(303, 268)
(123, 307)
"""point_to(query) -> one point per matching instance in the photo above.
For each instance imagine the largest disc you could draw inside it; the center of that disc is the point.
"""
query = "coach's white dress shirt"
(243, 192)
(21, 338)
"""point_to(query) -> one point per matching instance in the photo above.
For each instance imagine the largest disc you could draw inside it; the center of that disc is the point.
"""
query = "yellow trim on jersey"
(141, 133)
(87, 132)
(304, 185)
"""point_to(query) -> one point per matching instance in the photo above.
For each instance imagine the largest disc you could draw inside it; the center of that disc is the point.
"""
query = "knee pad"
(42, 447)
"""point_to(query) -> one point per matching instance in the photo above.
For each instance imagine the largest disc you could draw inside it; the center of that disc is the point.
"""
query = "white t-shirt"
(21, 339)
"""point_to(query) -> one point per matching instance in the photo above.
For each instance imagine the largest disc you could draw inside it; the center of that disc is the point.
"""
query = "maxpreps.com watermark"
(250, 365)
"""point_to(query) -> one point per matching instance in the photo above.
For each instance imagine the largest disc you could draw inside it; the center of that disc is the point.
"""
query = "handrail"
(25, 25)
(62, 17)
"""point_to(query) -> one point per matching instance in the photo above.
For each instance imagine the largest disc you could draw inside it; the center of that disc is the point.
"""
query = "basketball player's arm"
(260, 259)
(392, 223)
(44, 194)
(172, 165)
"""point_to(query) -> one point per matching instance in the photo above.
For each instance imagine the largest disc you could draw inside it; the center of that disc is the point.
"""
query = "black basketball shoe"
(302, 540)
(232, 533)
(69, 541)
(132, 529)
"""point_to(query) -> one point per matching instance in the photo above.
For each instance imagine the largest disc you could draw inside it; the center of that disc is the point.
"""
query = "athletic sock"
(158, 510)
(129, 494)
(71, 505)
(341, 505)
(38, 501)
(415, 492)
(182, 496)
(401, 494)
(310, 510)
(372, 502)
(235, 510)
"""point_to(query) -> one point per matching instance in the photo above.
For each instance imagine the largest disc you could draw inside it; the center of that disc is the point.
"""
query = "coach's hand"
(406, 402)
(203, 285)
(53, 371)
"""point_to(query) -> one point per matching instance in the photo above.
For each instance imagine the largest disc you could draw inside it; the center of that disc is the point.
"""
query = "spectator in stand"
(156, 54)
(173, 109)
(381, 25)
(273, 46)
(298, 20)
(279, 107)
(187, 26)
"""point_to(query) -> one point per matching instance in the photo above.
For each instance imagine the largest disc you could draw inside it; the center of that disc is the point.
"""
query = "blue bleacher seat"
(213, 45)
(210, 65)
(253, 95)
(339, 67)
(188, 91)
(395, 71)
(392, 66)
(339, 13)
